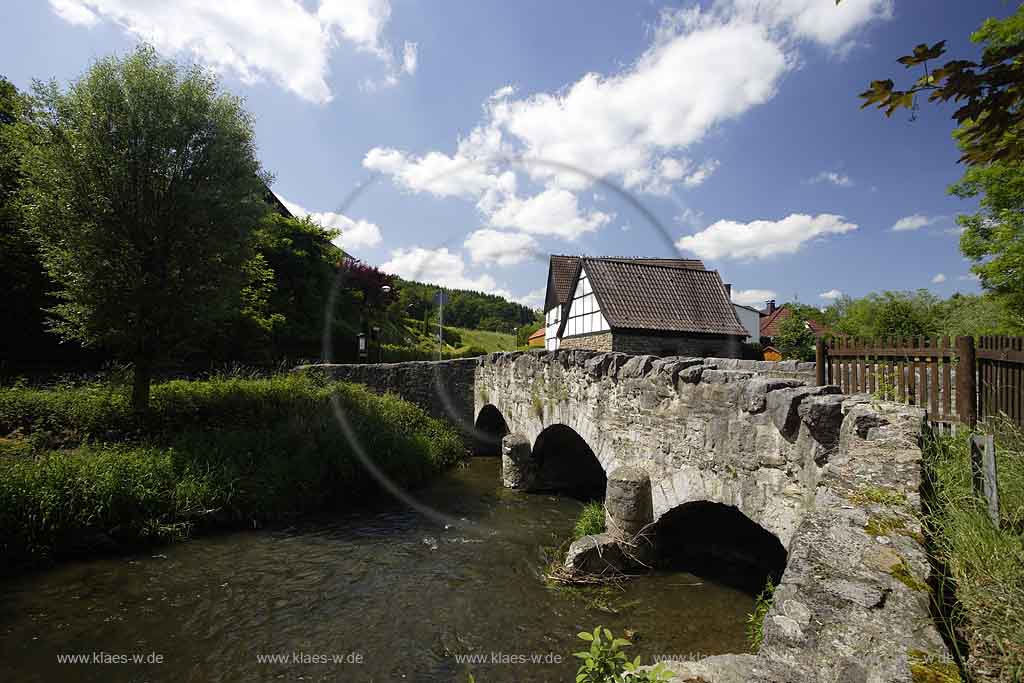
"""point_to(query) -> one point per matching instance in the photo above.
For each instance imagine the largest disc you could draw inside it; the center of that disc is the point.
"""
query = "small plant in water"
(755, 620)
(605, 661)
(590, 521)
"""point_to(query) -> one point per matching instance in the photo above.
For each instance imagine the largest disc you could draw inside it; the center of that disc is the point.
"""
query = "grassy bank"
(78, 470)
(983, 565)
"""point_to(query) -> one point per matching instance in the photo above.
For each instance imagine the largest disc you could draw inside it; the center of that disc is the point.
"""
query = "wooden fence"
(957, 381)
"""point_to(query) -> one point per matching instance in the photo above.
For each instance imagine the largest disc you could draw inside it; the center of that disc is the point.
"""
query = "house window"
(584, 312)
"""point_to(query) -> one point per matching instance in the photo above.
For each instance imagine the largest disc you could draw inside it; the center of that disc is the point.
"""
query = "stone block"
(783, 406)
(637, 367)
(823, 416)
(755, 392)
(691, 375)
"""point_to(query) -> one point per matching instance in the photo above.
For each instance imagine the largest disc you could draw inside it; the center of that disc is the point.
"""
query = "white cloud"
(276, 39)
(439, 267)
(361, 22)
(939, 278)
(461, 175)
(822, 22)
(596, 125)
(354, 233)
(410, 58)
(534, 299)
(831, 294)
(552, 212)
(837, 179)
(753, 297)
(913, 222)
(74, 12)
(970, 277)
(762, 239)
(502, 248)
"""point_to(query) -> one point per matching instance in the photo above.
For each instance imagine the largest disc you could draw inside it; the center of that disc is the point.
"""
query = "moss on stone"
(925, 668)
(884, 525)
(878, 494)
(902, 573)
(887, 525)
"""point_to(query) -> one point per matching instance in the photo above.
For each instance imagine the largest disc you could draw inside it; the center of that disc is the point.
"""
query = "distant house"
(772, 317)
(635, 305)
(536, 339)
(750, 318)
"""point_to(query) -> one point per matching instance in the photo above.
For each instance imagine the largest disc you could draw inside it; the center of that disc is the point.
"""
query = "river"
(391, 594)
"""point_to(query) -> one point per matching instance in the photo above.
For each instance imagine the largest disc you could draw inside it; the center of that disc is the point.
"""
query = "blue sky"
(461, 143)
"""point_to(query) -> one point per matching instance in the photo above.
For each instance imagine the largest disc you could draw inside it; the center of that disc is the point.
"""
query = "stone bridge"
(829, 482)
(747, 434)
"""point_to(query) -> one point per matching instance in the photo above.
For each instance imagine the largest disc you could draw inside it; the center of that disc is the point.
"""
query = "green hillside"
(485, 339)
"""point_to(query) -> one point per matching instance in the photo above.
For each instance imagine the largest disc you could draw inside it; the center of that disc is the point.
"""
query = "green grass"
(78, 467)
(755, 620)
(983, 564)
(486, 340)
(590, 521)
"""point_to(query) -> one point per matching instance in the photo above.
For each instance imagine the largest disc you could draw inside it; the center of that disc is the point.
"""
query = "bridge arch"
(568, 464)
(490, 427)
(714, 539)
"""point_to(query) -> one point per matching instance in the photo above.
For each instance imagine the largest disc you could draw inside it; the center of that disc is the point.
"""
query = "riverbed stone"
(598, 555)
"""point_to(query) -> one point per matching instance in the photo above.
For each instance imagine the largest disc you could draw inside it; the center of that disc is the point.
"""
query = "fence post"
(819, 362)
(983, 474)
(966, 383)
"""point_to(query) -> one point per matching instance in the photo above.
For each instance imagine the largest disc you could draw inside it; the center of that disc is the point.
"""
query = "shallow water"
(394, 594)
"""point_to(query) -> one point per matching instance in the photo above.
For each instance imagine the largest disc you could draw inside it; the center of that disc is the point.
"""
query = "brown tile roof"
(539, 334)
(770, 323)
(633, 294)
(562, 274)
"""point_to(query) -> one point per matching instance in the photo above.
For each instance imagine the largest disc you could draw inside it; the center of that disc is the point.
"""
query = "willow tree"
(141, 189)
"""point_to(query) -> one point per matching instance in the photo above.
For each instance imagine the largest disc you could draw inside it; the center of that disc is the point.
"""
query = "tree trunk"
(140, 385)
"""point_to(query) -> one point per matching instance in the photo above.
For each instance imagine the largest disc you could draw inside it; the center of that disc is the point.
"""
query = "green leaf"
(583, 635)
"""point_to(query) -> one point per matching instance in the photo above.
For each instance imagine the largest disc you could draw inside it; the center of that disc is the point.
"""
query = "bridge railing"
(958, 381)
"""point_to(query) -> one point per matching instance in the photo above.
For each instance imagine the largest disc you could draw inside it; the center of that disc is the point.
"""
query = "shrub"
(605, 661)
(225, 450)
(590, 521)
